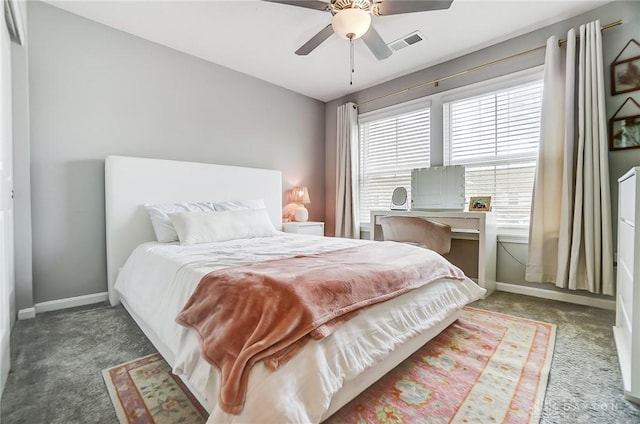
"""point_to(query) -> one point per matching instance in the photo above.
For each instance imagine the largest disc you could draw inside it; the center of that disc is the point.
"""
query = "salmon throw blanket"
(269, 310)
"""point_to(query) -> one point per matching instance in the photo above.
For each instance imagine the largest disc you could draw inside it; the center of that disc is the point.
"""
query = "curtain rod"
(475, 68)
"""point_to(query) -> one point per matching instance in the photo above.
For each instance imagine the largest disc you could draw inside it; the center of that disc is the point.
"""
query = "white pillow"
(161, 223)
(204, 227)
(234, 205)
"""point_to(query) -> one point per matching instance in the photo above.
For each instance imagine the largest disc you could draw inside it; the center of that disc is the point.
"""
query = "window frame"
(390, 112)
(435, 102)
(504, 82)
(494, 84)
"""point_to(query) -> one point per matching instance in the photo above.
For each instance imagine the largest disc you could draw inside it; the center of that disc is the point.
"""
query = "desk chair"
(417, 231)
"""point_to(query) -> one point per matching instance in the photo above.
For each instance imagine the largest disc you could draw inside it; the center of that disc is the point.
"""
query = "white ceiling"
(259, 38)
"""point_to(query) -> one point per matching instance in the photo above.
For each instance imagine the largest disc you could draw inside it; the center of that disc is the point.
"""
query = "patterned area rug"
(145, 391)
(484, 368)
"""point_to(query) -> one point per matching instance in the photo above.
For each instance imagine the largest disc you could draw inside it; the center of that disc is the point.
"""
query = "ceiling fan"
(351, 19)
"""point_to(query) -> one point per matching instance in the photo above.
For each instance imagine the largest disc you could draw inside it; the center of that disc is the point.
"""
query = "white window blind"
(390, 147)
(496, 137)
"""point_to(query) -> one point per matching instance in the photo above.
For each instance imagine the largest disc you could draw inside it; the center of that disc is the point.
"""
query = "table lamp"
(300, 196)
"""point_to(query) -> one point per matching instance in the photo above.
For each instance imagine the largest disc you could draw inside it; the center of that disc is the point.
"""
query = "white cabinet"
(312, 228)
(627, 329)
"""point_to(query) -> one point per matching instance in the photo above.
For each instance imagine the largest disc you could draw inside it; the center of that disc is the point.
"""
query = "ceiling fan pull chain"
(352, 61)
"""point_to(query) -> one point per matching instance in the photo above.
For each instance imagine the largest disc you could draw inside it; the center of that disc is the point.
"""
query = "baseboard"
(554, 295)
(71, 302)
(5, 362)
(55, 305)
(27, 313)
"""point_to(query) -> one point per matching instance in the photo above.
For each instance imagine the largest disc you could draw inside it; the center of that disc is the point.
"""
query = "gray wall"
(97, 91)
(613, 41)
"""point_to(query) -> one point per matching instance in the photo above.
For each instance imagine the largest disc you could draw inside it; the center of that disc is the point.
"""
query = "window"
(392, 143)
(496, 135)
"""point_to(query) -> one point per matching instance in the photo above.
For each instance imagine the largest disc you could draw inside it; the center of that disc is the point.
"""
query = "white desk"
(480, 226)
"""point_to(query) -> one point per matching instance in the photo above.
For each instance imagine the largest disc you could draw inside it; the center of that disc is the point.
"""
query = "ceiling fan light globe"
(351, 21)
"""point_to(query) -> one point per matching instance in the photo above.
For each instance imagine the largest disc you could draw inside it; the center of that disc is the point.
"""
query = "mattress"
(158, 278)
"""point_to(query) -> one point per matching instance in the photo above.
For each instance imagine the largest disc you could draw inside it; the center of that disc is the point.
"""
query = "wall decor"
(480, 203)
(625, 73)
(624, 131)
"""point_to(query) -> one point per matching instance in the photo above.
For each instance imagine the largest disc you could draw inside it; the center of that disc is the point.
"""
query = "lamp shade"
(300, 195)
(351, 21)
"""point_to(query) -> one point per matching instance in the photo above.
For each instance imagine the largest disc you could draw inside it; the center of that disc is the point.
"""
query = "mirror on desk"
(399, 200)
(439, 188)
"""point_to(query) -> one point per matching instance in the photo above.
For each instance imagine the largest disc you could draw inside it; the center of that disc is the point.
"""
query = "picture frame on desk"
(480, 204)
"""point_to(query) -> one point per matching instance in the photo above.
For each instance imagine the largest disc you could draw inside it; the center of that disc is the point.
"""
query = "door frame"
(11, 29)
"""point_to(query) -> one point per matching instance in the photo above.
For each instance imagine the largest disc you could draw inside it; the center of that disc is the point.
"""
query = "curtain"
(570, 232)
(591, 263)
(347, 222)
(568, 169)
(545, 215)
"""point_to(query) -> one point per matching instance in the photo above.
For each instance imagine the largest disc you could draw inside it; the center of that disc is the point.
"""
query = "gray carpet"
(57, 358)
(56, 361)
(585, 385)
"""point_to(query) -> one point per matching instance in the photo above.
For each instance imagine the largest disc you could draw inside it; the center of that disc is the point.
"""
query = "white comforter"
(158, 278)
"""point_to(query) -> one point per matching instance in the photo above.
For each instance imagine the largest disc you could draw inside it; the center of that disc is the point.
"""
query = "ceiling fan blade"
(396, 7)
(310, 4)
(376, 44)
(315, 41)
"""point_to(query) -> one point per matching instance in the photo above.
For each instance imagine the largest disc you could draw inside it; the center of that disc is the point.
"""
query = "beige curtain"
(568, 168)
(591, 263)
(547, 193)
(347, 222)
(570, 233)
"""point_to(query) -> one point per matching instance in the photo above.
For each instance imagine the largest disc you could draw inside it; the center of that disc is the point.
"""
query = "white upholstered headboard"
(130, 182)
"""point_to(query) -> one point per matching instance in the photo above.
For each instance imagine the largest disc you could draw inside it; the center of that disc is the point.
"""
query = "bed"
(153, 280)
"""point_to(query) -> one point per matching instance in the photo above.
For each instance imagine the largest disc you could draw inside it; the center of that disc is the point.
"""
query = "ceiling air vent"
(406, 41)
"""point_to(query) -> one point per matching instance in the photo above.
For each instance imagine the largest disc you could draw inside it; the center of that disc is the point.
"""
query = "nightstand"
(311, 228)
